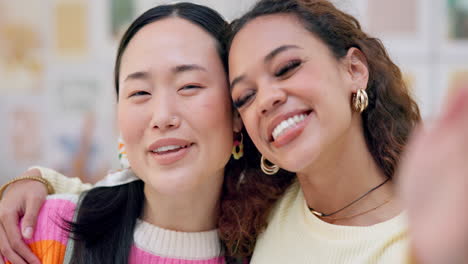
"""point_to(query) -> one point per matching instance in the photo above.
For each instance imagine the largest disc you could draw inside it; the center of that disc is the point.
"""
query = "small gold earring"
(360, 100)
(268, 169)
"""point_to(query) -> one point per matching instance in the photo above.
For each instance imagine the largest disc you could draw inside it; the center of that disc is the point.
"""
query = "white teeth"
(167, 148)
(287, 124)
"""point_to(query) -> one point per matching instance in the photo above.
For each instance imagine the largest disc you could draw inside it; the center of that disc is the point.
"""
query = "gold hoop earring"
(238, 148)
(360, 100)
(268, 169)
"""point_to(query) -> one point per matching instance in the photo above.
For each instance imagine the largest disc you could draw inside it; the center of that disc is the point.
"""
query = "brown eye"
(287, 68)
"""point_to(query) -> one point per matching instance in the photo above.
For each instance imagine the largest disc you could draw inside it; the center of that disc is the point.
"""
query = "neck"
(343, 174)
(190, 211)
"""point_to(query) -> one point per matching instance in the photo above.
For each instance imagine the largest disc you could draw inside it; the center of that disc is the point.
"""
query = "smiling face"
(292, 93)
(174, 110)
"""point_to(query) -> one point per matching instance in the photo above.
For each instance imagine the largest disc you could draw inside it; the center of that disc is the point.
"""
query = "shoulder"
(53, 216)
(283, 206)
(51, 232)
(61, 205)
(64, 197)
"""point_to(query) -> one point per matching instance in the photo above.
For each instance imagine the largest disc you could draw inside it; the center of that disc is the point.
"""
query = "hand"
(21, 199)
(433, 179)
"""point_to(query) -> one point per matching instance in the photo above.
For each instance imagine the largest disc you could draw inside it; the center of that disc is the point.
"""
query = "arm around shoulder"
(62, 183)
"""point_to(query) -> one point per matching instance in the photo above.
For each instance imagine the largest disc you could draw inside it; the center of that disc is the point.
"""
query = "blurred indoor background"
(56, 61)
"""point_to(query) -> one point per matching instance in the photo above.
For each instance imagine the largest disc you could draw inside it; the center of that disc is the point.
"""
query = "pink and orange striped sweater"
(152, 245)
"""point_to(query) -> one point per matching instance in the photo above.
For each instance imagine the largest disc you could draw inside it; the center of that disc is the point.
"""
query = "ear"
(237, 122)
(357, 68)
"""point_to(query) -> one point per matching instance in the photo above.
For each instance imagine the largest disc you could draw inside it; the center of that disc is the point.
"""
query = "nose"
(165, 116)
(269, 98)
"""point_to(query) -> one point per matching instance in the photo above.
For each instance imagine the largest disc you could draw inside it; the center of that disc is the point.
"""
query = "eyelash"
(190, 86)
(243, 100)
(139, 93)
(186, 87)
(281, 72)
(288, 67)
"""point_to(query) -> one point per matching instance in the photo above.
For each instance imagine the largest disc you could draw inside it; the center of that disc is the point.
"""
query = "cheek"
(214, 117)
(132, 123)
(215, 109)
(251, 125)
(334, 112)
(324, 91)
(217, 114)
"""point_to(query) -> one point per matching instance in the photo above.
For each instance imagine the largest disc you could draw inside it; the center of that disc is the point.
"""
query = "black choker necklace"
(319, 214)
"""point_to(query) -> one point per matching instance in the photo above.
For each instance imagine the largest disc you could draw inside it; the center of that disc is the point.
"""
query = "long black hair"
(106, 217)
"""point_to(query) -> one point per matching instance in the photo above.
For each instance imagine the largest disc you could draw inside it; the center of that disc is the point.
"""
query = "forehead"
(271, 30)
(257, 40)
(170, 41)
(271, 26)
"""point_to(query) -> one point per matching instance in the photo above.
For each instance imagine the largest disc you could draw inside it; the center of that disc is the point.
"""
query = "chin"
(171, 185)
(167, 179)
(298, 161)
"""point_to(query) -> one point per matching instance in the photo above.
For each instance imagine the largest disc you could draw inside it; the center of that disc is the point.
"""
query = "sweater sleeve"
(62, 183)
(50, 237)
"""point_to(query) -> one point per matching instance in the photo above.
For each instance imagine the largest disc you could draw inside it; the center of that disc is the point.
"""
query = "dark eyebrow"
(175, 70)
(137, 75)
(277, 51)
(187, 67)
(267, 59)
(237, 80)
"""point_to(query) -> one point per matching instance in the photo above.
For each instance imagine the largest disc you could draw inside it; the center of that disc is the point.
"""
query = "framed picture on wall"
(22, 46)
(402, 25)
(418, 78)
(81, 121)
(71, 20)
(23, 138)
(454, 29)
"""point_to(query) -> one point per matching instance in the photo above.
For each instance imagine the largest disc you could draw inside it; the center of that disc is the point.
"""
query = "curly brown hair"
(246, 200)
(388, 121)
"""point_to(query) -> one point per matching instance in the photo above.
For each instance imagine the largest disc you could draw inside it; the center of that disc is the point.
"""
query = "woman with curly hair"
(330, 113)
(321, 98)
(175, 116)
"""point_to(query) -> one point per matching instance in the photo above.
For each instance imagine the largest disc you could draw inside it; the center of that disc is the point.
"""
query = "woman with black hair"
(176, 119)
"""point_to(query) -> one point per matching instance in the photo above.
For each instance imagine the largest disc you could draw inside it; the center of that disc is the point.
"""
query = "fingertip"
(27, 232)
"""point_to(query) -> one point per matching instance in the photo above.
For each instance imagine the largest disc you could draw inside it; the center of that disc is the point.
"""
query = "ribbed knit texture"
(153, 245)
(163, 242)
(294, 235)
(61, 183)
(64, 184)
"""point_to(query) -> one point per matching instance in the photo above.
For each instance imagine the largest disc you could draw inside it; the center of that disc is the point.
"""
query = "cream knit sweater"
(294, 235)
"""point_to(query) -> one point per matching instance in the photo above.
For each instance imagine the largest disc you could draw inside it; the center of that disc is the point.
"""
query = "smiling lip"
(277, 120)
(170, 156)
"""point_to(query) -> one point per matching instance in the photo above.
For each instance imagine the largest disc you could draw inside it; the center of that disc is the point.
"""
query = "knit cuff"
(62, 183)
